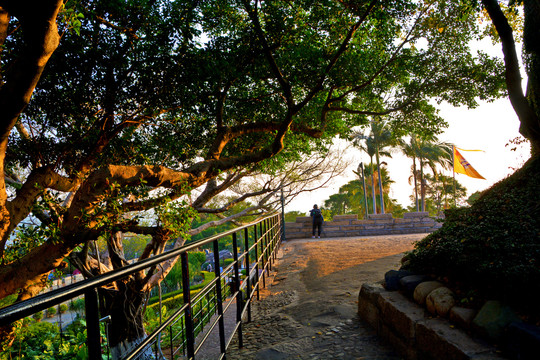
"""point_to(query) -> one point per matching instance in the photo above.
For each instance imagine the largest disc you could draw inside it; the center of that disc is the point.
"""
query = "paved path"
(310, 310)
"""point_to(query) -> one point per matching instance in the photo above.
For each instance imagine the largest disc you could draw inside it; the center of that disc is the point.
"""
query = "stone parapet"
(376, 224)
(415, 334)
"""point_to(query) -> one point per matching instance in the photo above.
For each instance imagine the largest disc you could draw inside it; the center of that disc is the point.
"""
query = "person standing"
(316, 216)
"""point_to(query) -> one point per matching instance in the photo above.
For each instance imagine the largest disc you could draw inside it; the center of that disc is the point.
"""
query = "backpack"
(317, 214)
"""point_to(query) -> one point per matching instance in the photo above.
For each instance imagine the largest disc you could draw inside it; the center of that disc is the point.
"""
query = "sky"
(488, 127)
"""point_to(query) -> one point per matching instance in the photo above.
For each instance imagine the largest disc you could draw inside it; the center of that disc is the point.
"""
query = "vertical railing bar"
(171, 340)
(239, 304)
(270, 229)
(248, 271)
(190, 336)
(256, 245)
(92, 324)
(219, 300)
(263, 264)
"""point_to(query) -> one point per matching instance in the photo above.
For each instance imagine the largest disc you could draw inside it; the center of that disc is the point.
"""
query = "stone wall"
(376, 224)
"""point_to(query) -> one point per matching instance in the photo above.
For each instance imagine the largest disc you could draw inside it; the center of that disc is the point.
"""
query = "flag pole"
(454, 173)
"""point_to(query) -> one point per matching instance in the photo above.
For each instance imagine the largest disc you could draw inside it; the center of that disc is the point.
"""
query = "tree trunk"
(380, 180)
(126, 307)
(373, 187)
(422, 187)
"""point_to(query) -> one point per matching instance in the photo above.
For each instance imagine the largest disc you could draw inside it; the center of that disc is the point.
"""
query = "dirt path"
(309, 311)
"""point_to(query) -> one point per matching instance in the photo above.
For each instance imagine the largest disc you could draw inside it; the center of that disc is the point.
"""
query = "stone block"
(380, 216)
(436, 340)
(400, 315)
(402, 221)
(338, 223)
(345, 217)
(374, 227)
(330, 228)
(303, 219)
(385, 221)
(462, 317)
(405, 347)
(291, 225)
(419, 214)
(362, 222)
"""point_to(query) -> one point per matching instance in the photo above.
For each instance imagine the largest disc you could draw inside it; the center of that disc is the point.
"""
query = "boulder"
(493, 318)
(392, 277)
(462, 317)
(440, 301)
(407, 284)
(423, 290)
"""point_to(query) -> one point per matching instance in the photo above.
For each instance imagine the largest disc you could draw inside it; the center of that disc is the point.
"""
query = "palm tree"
(429, 152)
(373, 144)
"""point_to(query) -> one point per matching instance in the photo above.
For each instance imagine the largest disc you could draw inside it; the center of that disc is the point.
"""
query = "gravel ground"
(310, 309)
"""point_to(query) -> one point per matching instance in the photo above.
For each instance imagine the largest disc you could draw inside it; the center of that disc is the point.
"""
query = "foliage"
(51, 311)
(290, 216)
(442, 192)
(176, 297)
(63, 308)
(134, 244)
(492, 246)
(41, 341)
(174, 277)
(350, 198)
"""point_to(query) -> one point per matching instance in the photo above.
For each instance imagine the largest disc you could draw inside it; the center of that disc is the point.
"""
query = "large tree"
(143, 101)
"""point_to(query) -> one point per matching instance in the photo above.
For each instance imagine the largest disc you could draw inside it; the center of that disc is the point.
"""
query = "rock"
(462, 317)
(440, 301)
(392, 277)
(493, 318)
(408, 283)
(423, 290)
(522, 340)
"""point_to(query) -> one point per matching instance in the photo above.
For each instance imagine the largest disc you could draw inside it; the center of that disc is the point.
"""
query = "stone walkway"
(310, 309)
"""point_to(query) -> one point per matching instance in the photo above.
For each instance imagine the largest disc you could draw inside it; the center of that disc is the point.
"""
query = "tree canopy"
(113, 108)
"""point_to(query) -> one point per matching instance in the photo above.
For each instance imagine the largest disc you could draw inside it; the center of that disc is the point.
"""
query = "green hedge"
(491, 249)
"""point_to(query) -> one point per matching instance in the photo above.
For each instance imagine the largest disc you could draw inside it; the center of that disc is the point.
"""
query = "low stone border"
(413, 332)
(375, 224)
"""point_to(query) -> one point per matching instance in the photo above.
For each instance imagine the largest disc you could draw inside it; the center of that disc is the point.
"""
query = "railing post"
(263, 262)
(239, 304)
(92, 324)
(248, 272)
(219, 300)
(190, 336)
(257, 261)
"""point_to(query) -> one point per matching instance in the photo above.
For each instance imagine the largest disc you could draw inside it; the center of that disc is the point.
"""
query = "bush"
(51, 311)
(63, 308)
(38, 316)
(493, 247)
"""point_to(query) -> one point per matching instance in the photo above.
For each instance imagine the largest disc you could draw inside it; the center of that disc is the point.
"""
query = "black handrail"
(265, 246)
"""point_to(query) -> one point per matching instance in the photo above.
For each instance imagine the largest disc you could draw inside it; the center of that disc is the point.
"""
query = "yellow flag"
(462, 166)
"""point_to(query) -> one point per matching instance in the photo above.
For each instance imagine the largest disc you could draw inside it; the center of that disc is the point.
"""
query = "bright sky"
(489, 128)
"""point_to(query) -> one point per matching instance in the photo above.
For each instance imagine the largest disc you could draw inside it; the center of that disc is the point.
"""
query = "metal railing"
(253, 245)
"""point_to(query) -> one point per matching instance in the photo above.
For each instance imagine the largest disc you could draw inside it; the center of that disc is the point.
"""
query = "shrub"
(63, 308)
(38, 316)
(51, 311)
